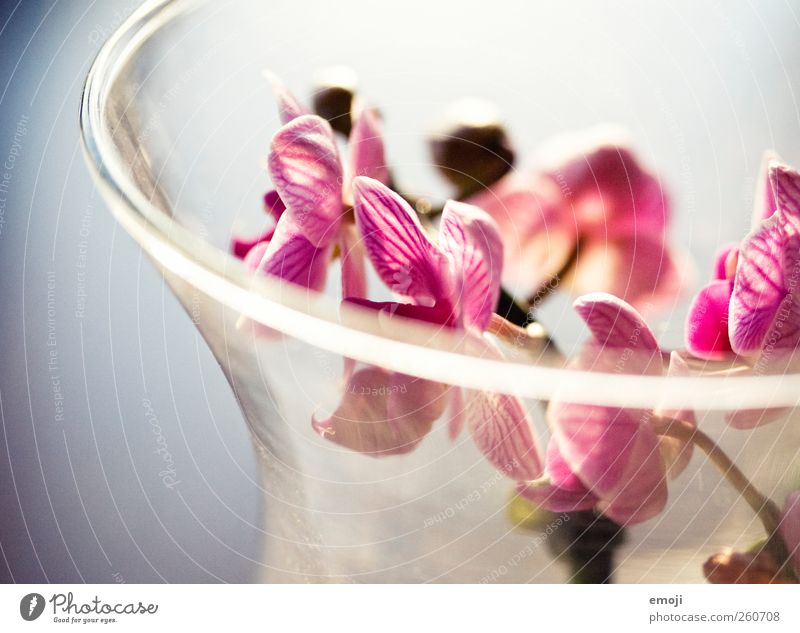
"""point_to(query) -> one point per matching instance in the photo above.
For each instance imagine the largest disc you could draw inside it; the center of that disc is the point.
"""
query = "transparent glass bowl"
(175, 119)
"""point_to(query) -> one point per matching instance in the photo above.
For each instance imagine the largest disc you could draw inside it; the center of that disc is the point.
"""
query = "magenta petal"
(289, 108)
(758, 288)
(307, 173)
(608, 188)
(384, 413)
(428, 314)
(615, 453)
(472, 239)
(273, 204)
(293, 258)
(503, 432)
(722, 264)
(765, 204)
(614, 323)
(790, 528)
(564, 491)
(753, 418)
(538, 236)
(241, 246)
(643, 490)
(396, 244)
(254, 256)
(354, 278)
(638, 267)
(595, 442)
(707, 321)
(366, 148)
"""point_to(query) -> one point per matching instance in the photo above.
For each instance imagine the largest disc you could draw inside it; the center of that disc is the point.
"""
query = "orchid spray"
(591, 218)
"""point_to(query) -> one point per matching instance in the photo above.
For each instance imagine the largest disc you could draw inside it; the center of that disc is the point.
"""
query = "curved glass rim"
(412, 348)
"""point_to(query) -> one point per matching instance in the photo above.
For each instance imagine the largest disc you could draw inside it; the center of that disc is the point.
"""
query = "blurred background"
(121, 460)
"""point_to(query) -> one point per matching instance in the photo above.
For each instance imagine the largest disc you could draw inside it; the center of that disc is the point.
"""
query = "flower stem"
(766, 509)
(532, 338)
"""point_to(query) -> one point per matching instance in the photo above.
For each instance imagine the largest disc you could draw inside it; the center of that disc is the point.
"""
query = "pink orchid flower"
(593, 216)
(764, 312)
(611, 458)
(751, 307)
(455, 283)
(708, 326)
(312, 198)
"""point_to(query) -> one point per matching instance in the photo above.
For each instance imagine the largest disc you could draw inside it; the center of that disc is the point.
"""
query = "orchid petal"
(615, 453)
(765, 203)
(758, 289)
(273, 205)
(384, 413)
(307, 173)
(725, 260)
(354, 277)
(472, 239)
(752, 418)
(396, 244)
(293, 258)
(503, 433)
(643, 493)
(614, 323)
(785, 185)
(457, 414)
(367, 156)
(241, 246)
(608, 188)
(637, 267)
(252, 260)
(790, 528)
(562, 491)
(289, 108)
(538, 236)
(707, 321)
(428, 314)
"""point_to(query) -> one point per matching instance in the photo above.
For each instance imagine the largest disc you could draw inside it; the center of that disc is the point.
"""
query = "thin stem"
(763, 506)
(532, 338)
(766, 509)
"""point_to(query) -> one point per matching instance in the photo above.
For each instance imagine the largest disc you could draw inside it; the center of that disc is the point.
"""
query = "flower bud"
(471, 148)
(334, 90)
(731, 567)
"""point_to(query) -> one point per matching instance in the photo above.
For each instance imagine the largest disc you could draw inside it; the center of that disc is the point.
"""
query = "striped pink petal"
(402, 254)
(472, 239)
(354, 277)
(307, 173)
(615, 323)
(293, 258)
(503, 432)
(759, 288)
